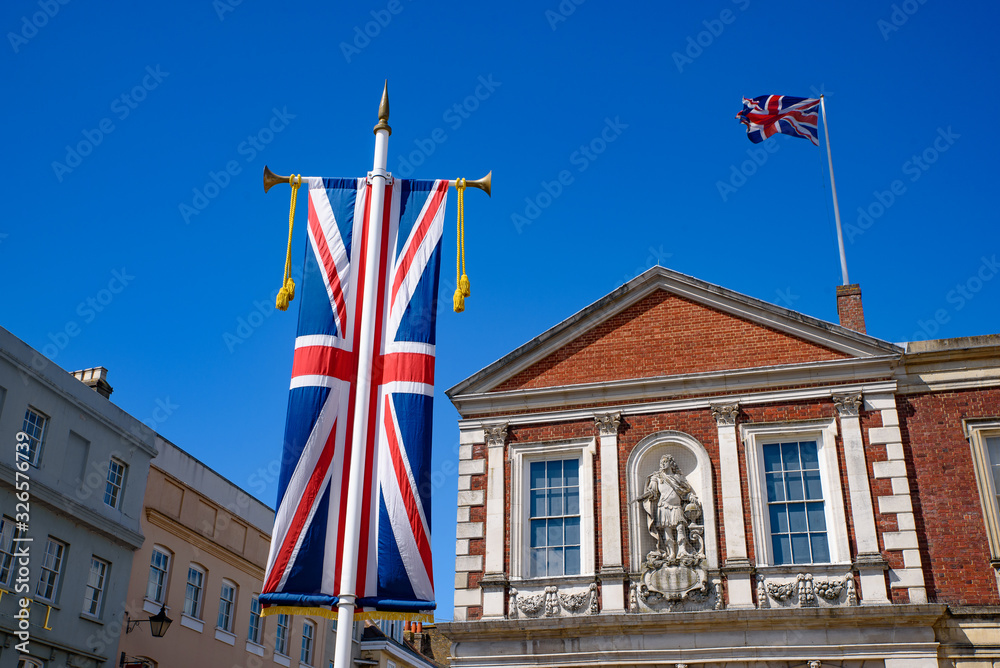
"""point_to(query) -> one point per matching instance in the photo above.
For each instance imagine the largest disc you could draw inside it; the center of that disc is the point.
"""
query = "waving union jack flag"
(394, 553)
(771, 114)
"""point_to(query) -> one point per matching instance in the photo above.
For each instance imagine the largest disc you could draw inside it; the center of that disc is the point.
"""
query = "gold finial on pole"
(383, 111)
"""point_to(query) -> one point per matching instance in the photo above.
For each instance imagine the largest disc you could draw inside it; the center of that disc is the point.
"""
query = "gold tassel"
(287, 292)
(461, 278)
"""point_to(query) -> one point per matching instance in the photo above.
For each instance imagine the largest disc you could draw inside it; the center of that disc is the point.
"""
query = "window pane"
(538, 533)
(821, 551)
(797, 517)
(572, 561)
(817, 518)
(555, 473)
(814, 488)
(572, 500)
(571, 472)
(537, 562)
(800, 548)
(554, 535)
(537, 503)
(782, 549)
(775, 486)
(779, 518)
(810, 454)
(556, 501)
(537, 475)
(790, 456)
(555, 559)
(572, 530)
(772, 458)
(794, 487)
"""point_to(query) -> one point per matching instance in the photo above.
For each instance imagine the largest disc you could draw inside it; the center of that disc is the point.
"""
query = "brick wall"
(945, 497)
(664, 335)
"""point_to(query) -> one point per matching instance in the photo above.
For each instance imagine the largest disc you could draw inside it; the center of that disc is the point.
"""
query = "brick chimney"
(96, 379)
(852, 315)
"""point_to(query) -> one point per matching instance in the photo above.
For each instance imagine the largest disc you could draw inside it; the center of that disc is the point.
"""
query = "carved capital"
(496, 435)
(725, 414)
(848, 405)
(607, 424)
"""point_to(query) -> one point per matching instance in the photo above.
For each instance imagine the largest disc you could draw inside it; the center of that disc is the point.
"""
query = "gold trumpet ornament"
(287, 292)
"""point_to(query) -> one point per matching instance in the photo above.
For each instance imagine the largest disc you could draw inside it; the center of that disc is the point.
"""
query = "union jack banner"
(395, 575)
(771, 114)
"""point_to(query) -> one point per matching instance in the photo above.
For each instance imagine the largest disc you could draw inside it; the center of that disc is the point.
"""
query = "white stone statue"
(671, 505)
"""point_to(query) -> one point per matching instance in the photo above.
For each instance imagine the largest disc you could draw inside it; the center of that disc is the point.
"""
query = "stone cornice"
(78, 513)
(97, 412)
(200, 541)
(699, 403)
(702, 621)
(725, 383)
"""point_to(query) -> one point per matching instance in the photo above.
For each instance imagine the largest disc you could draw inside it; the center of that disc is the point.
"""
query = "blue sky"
(137, 235)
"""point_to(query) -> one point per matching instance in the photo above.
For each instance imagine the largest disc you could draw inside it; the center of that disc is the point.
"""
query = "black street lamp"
(158, 623)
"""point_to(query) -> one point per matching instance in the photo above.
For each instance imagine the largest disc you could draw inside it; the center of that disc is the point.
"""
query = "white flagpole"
(833, 187)
(352, 528)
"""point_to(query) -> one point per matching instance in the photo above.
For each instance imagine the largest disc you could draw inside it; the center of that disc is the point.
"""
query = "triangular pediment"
(664, 324)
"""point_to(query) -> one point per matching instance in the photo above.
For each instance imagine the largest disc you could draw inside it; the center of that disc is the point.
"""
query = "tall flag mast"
(352, 536)
(833, 189)
(768, 115)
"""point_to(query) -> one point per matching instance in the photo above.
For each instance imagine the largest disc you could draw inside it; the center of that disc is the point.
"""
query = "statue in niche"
(671, 506)
(676, 567)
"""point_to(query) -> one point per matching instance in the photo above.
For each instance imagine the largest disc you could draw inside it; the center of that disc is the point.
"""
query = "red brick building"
(681, 475)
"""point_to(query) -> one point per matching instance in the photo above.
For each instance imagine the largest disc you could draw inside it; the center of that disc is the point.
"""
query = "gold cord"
(287, 292)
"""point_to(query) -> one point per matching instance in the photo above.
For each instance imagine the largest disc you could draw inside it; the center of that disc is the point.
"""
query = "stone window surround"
(977, 431)
(521, 454)
(824, 432)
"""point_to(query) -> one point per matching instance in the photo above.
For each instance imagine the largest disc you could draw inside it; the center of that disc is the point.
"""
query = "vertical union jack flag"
(771, 114)
(394, 551)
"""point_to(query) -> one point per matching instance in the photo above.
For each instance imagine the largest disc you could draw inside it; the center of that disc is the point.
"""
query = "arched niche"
(695, 464)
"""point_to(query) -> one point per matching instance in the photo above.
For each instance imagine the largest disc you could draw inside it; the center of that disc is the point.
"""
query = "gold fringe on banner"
(358, 616)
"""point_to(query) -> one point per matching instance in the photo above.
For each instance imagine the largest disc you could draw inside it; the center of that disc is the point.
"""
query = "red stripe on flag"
(408, 367)
(329, 266)
(417, 238)
(406, 492)
(376, 381)
(302, 510)
(348, 450)
(324, 361)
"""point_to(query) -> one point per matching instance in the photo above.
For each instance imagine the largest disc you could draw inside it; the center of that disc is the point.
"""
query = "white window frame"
(93, 595)
(824, 432)
(308, 652)
(61, 560)
(116, 489)
(166, 574)
(7, 532)
(227, 623)
(200, 602)
(255, 629)
(521, 455)
(37, 441)
(283, 637)
(977, 431)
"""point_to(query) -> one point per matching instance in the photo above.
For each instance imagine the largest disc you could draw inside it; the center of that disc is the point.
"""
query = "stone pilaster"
(494, 579)
(737, 567)
(869, 563)
(612, 571)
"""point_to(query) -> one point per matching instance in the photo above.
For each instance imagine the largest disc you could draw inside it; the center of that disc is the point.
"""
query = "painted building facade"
(203, 561)
(682, 475)
(72, 477)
